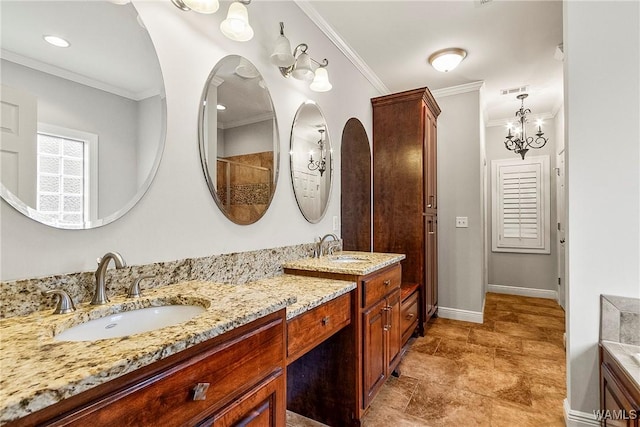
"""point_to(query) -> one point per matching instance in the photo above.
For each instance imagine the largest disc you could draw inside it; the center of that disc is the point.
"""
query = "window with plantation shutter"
(521, 214)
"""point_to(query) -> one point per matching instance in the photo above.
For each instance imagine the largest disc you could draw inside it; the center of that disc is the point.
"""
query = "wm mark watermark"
(619, 414)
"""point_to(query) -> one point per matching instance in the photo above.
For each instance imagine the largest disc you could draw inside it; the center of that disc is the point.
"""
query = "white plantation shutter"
(521, 205)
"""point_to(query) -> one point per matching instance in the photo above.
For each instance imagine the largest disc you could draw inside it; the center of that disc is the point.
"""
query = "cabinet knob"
(409, 316)
(325, 321)
(387, 282)
(200, 391)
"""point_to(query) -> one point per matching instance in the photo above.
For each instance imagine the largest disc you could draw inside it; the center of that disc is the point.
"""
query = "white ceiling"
(509, 44)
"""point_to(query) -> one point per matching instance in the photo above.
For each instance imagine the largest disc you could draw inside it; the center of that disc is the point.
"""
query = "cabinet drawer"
(409, 316)
(167, 398)
(311, 328)
(380, 285)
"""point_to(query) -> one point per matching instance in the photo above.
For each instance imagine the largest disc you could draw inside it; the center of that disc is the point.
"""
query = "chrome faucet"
(100, 294)
(320, 248)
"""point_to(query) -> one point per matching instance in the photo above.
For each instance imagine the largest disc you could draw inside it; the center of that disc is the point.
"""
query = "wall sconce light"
(235, 27)
(447, 59)
(319, 165)
(299, 63)
(519, 142)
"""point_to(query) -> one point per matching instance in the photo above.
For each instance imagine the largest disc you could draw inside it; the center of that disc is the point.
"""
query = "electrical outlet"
(462, 222)
(335, 223)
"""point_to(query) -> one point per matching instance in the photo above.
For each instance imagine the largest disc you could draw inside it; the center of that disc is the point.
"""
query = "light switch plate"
(335, 223)
(462, 222)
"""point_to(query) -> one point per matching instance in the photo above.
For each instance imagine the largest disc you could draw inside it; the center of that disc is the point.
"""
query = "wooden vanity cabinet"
(405, 188)
(619, 398)
(240, 375)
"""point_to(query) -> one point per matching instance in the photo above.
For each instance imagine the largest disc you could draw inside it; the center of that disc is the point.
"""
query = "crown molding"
(342, 45)
(248, 121)
(457, 90)
(74, 77)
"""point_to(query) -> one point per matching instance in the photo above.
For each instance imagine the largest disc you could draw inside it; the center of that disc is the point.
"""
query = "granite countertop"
(624, 353)
(370, 262)
(38, 371)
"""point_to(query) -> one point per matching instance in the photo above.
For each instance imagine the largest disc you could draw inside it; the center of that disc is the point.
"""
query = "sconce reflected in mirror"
(299, 63)
(235, 27)
(321, 164)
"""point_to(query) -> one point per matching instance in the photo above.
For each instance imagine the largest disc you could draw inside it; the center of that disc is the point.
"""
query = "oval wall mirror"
(83, 113)
(311, 161)
(239, 141)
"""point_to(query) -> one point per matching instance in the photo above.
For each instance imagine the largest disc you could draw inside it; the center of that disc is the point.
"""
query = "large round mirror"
(239, 142)
(311, 161)
(83, 110)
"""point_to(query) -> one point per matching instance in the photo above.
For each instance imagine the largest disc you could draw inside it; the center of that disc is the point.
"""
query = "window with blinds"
(520, 196)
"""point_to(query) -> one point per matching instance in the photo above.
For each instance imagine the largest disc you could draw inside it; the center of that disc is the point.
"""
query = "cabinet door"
(620, 410)
(430, 160)
(394, 331)
(263, 406)
(431, 265)
(374, 323)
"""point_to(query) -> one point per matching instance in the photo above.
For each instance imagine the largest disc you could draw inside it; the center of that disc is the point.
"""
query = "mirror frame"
(15, 202)
(328, 137)
(202, 145)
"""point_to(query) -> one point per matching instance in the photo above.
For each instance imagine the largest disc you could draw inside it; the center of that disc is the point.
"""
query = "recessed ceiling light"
(447, 59)
(57, 41)
(221, 107)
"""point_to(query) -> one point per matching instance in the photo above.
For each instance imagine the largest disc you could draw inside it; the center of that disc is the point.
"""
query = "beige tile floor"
(509, 371)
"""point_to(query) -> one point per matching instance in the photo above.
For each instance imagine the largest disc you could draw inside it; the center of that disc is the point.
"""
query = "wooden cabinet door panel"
(263, 406)
(374, 323)
(394, 331)
(431, 265)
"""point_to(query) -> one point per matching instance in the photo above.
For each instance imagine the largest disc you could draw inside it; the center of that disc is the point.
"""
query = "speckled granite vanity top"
(346, 262)
(37, 371)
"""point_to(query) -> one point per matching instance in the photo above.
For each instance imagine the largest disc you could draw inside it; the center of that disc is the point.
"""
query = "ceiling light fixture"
(319, 165)
(299, 63)
(519, 142)
(446, 60)
(220, 107)
(56, 41)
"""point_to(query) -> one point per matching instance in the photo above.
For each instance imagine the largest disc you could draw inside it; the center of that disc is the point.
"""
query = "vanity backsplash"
(22, 297)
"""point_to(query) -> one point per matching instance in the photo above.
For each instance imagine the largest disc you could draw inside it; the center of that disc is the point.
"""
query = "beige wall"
(536, 271)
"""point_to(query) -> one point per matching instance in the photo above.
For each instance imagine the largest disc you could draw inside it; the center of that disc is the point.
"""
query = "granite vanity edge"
(622, 353)
(358, 269)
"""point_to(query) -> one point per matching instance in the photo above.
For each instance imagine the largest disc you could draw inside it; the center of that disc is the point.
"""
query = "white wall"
(460, 250)
(536, 271)
(248, 139)
(113, 118)
(602, 110)
(178, 218)
(149, 133)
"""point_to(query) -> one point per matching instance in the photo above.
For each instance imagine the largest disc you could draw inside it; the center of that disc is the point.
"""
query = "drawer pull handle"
(200, 391)
(409, 316)
(325, 321)
(387, 282)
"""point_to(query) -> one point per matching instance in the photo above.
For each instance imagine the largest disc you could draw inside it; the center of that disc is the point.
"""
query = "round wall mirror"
(311, 161)
(83, 111)
(239, 142)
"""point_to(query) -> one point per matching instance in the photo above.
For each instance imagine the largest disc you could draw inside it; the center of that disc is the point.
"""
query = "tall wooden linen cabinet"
(405, 200)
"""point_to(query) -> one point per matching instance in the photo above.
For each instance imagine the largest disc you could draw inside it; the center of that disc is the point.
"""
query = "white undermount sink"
(346, 259)
(130, 323)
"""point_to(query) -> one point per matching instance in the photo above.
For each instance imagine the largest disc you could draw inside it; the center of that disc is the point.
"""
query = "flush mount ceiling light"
(299, 64)
(220, 107)
(56, 41)
(519, 142)
(447, 59)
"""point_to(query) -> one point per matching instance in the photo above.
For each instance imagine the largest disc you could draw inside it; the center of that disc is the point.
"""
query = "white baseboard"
(574, 418)
(457, 314)
(525, 292)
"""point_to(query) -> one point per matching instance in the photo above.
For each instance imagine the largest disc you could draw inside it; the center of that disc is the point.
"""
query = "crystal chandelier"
(519, 142)
(319, 165)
